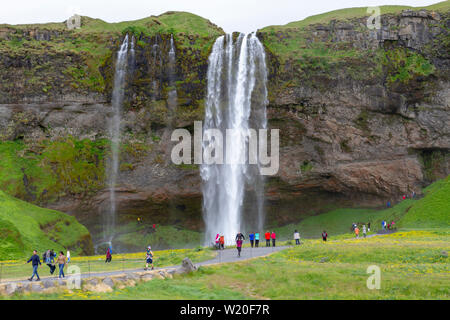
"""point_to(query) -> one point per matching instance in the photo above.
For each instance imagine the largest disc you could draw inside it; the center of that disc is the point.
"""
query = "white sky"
(231, 15)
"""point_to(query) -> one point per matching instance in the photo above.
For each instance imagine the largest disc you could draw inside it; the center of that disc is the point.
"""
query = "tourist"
(68, 256)
(35, 263)
(222, 242)
(368, 226)
(61, 263)
(239, 239)
(324, 235)
(217, 241)
(256, 239)
(149, 258)
(297, 237)
(108, 255)
(251, 237)
(273, 236)
(364, 231)
(267, 236)
(392, 224)
(357, 232)
(383, 224)
(49, 258)
(388, 204)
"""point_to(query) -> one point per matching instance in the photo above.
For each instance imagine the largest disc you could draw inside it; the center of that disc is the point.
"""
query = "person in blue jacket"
(35, 262)
(251, 237)
(256, 239)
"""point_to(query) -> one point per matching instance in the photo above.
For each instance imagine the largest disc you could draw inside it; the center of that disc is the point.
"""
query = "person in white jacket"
(68, 256)
(364, 231)
(297, 237)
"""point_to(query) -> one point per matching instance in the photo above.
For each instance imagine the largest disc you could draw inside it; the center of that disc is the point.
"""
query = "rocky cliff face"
(363, 114)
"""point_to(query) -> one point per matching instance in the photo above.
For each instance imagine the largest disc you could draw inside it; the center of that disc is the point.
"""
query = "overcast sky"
(231, 15)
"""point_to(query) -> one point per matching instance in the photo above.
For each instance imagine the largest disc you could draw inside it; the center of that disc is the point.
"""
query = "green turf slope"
(433, 210)
(24, 227)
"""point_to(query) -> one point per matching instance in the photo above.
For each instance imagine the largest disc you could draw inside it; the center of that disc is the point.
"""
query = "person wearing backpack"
(324, 236)
(149, 258)
(239, 240)
(251, 237)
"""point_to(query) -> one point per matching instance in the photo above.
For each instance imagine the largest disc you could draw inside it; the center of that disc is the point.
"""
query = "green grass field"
(411, 263)
(25, 227)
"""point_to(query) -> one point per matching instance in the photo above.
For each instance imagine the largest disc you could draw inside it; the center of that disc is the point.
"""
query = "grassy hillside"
(351, 13)
(431, 211)
(24, 227)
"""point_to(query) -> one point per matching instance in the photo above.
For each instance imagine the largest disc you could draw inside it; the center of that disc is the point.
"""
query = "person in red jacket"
(274, 236)
(324, 235)
(267, 236)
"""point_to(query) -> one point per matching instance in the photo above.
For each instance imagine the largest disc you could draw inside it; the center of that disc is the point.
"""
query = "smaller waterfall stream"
(114, 130)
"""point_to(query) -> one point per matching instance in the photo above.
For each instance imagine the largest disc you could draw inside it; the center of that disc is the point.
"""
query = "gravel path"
(223, 256)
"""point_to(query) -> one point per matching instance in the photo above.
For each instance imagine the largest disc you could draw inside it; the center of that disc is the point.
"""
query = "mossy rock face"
(50, 60)
(42, 172)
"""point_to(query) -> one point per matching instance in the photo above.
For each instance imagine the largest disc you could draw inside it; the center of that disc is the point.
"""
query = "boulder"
(108, 282)
(186, 266)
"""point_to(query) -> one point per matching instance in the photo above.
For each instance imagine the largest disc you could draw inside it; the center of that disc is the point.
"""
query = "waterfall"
(236, 99)
(114, 130)
(173, 97)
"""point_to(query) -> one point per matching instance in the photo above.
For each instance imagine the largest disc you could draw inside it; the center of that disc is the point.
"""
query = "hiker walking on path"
(108, 255)
(364, 231)
(357, 232)
(324, 235)
(256, 239)
(239, 239)
(49, 258)
(273, 236)
(61, 263)
(267, 236)
(149, 258)
(251, 237)
(35, 263)
(68, 256)
(297, 237)
(222, 242)
(368, 226)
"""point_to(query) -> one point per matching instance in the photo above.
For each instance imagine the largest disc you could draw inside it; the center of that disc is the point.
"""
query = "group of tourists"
(220, 242)
(385, 225)
(49, 259)
(358, 227)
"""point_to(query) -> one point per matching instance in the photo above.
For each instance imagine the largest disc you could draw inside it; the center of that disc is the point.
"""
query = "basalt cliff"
(363, 112)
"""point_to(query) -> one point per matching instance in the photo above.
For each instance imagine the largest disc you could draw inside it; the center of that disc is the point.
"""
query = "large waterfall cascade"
(236, 99)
